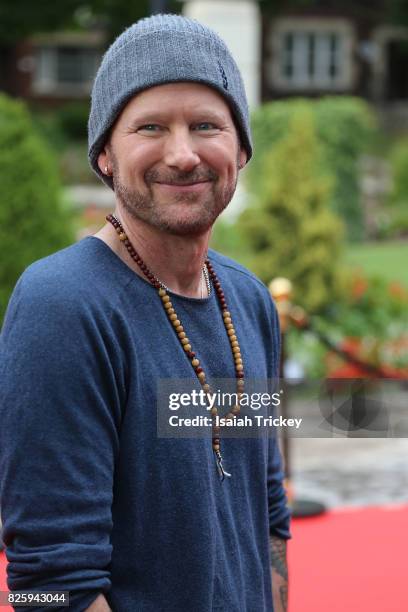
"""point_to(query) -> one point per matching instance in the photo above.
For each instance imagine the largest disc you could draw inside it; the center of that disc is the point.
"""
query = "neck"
(177, 261)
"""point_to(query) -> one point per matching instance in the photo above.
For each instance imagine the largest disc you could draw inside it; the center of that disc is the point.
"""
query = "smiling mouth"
(196, 186)
(182, 184)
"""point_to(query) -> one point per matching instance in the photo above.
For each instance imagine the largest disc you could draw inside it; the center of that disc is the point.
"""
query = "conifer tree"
(290, 230)
(33, 220)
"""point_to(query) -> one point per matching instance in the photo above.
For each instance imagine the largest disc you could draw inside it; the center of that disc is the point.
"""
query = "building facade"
(325, 48)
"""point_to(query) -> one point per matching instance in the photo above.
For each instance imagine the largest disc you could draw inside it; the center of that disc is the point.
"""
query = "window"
(311, 55)
(65, 70)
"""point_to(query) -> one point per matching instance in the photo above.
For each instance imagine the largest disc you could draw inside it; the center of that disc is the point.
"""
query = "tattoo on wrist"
(278, 556)
(283, 592)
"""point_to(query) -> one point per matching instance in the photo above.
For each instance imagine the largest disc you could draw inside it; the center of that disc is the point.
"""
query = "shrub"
(33, 220)
(345, 128)
(49, 129)
(397, 220)
(290, 230)
(369, 321)
(226, 238)
(73, 119)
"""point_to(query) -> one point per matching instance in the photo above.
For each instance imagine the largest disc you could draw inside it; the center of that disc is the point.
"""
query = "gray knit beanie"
(157, 50)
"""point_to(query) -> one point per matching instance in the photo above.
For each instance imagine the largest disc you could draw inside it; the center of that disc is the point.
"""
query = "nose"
(180, 151)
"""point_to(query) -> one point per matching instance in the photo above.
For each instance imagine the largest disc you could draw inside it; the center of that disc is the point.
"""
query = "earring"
(106, 170)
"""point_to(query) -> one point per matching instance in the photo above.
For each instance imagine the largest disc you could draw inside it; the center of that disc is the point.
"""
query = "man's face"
(174, 157)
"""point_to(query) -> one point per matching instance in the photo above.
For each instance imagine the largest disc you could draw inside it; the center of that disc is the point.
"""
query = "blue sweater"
(92, 500)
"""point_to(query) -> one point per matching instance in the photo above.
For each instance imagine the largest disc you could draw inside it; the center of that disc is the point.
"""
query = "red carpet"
(3, 585)
(350, 561)
(344, 561)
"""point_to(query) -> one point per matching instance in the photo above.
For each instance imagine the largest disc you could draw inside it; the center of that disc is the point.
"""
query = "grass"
(387, 260)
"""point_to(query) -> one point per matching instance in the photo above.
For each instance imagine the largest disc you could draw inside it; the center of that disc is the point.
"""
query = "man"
(93, 501)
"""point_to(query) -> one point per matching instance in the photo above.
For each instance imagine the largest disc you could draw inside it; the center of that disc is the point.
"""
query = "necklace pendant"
(221, 471)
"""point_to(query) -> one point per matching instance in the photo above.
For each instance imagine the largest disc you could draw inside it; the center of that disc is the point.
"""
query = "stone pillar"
(238, 23)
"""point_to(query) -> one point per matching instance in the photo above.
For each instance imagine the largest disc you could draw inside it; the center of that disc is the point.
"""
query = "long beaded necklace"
(209, 273)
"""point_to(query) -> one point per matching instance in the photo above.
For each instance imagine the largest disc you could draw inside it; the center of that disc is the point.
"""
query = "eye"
(205, 126)
(149, 127)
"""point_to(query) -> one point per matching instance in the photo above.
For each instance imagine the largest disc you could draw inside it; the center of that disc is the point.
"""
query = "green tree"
(116, 15)
(345, 127)
(22, 18)
(290, 229)
(33, 220)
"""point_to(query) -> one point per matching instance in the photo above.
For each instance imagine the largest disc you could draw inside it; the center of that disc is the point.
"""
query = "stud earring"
(106, 170)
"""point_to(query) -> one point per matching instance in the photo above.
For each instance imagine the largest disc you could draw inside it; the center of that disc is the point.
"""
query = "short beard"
(144, 207)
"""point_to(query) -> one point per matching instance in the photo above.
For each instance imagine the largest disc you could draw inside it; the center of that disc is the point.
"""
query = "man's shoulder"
(78, 277)
(57, 266)
(79, 267)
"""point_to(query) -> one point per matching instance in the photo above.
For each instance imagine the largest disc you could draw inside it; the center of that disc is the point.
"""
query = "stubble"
(185, 213)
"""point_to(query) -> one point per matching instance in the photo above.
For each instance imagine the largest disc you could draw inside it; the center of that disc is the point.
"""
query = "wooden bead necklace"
(209, 273)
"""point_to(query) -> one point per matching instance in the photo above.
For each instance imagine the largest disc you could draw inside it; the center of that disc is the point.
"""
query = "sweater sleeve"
(60, 415)
(279, 513)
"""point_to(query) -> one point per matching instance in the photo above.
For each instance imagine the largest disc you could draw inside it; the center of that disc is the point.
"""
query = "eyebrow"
(159, 116)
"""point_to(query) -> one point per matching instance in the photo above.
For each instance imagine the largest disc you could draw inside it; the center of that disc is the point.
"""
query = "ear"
(103, 162)
(242, 158)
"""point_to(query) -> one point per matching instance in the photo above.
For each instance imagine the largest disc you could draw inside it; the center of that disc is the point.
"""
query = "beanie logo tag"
(223, 75)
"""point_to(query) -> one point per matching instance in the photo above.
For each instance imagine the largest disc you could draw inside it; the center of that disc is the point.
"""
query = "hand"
(99, 605)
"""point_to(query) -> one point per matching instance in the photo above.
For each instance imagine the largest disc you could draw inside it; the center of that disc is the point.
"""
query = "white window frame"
(45, 76)
(321, 28)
